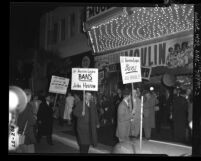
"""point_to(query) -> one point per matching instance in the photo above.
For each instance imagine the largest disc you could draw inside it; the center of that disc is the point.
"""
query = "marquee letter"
(162, 54)
(143, 55)
(137, 53)
(155, 54)
(150, 62)
(131, 53)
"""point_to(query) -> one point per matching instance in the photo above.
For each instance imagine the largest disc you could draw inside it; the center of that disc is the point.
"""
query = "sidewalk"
(57, 148)
(66, 136)
(69, 140)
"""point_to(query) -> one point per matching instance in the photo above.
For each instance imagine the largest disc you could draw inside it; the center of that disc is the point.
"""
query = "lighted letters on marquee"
(58, 85)
(130, 69)
(84, 79)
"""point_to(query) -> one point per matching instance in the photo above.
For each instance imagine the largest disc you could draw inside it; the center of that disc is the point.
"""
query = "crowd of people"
(122, 110)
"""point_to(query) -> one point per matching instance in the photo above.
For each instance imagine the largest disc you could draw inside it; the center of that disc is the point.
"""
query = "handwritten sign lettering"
(130, 69)
(84, 79)
(58, 85)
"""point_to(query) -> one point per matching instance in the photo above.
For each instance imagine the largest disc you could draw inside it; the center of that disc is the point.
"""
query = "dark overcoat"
(86, 125)
(45, 115)
(179, 116)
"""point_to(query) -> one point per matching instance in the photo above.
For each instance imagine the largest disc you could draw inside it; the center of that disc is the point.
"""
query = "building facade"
(61, 31)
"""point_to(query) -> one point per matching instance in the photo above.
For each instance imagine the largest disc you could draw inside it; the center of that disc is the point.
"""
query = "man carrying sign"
(86, 123)
(124, 116)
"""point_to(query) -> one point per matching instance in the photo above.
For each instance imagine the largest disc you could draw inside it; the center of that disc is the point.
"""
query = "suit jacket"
(124, 116)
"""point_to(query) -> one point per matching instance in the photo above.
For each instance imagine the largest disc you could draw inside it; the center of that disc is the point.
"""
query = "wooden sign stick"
(55, 100)
(83, 109)
(132, 97)
(141, 115)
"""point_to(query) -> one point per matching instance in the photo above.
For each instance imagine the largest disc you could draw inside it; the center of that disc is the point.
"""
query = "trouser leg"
(84, 148)
(136, 129)
(49, 139)
(147, 131)
(38, 137)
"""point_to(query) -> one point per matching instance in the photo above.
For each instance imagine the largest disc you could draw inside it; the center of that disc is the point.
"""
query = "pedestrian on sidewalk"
(45, 119)
(87, 122)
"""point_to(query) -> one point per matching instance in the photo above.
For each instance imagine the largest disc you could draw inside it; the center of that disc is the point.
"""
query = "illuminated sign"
(92, 12)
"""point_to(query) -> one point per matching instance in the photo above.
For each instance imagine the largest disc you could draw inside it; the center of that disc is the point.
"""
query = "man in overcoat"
(87, 122)
(45, 120)
(124, 116)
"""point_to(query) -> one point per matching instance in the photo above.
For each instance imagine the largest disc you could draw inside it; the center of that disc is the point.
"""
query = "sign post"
(55, 100)
(83, 110)
(85, 79)
(141, 115)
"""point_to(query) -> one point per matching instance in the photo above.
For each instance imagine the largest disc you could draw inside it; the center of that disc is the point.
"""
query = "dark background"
(24, 25)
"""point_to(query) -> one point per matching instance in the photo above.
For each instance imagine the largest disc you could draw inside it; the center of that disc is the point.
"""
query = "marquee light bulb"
(144, 23)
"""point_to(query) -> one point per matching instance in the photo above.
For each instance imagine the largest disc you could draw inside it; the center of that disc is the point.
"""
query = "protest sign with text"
(130, 69)
(85, 79)
(59, 85)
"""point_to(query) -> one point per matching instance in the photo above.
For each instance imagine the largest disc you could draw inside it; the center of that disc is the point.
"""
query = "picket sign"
(84, 79)
(58, 85)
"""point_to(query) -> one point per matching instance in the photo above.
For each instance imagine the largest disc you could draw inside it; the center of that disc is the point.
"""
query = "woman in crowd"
(68, 108)
(87, 122)
(45, 120)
